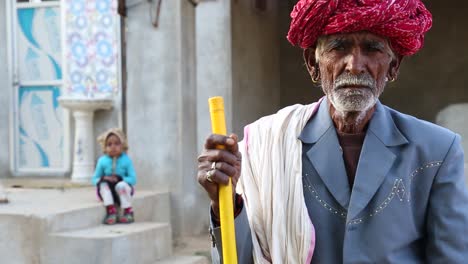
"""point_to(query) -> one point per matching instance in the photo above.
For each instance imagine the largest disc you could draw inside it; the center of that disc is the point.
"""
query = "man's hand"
(220, 164)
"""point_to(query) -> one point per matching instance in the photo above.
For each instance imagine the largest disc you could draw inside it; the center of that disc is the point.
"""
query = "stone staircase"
(64, 226)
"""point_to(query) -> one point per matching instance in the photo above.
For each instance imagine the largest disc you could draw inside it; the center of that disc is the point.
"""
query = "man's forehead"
(355, 37)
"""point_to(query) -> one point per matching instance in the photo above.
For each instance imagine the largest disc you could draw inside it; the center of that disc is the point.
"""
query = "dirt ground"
(196, 245)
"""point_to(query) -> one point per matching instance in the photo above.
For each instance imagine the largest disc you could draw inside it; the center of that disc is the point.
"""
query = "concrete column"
(214, 62)
(6, 97)
(161, 107)
(237, 58)
(3, 197)
(255, 62)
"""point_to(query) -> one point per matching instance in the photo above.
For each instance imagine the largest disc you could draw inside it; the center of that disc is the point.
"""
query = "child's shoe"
(111, 216)
(110, 219)
(127, 216)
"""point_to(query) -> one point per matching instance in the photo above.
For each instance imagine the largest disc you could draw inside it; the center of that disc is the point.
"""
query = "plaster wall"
(213, 75)
(255, 62)
(454, 118)
(296, 86)
(428, 81)
(213, 62)
(5, 94)
(237, 58)
(161, 107)
(436, 76)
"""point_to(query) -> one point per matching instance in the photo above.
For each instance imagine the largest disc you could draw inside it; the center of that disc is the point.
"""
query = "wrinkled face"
(354, 69)
(113, 146)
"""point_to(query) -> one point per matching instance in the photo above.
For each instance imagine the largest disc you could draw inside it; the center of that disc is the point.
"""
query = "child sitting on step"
(115, 177)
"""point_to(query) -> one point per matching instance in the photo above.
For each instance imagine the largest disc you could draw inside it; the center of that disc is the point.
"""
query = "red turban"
(403, 22)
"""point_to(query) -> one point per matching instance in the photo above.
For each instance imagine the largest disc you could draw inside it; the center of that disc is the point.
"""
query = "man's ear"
(311, 64)
(395, 67)
(309, 58)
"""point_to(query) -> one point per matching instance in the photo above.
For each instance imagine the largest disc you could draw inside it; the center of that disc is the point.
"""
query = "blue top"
(123, 168)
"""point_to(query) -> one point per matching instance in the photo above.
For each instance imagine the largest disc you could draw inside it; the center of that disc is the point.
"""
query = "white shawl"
(271, 184)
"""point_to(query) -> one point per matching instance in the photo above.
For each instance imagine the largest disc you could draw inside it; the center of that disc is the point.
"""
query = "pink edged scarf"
(271, 184)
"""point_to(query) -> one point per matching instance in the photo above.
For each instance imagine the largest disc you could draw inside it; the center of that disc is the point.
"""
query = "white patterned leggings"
(123, 190)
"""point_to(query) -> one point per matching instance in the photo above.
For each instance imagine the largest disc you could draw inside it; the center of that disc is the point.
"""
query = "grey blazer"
(243, 241)
(408, 204)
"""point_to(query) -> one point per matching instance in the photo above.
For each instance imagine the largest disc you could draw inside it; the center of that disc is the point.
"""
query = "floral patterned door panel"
(92, 47)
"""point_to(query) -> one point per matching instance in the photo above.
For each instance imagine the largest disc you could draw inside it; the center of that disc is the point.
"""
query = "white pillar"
(3, 198)
(83, 150)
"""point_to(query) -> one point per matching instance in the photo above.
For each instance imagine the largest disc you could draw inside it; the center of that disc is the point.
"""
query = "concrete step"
(184, 260)
(142, 243)
(33, 214)
(71, 209)
(148, 207)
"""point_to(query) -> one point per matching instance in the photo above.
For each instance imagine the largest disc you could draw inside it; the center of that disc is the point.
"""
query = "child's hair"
(113, 131)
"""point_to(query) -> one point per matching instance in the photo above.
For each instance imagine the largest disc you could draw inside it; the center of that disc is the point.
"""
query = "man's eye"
(338, 48)
(374, 48)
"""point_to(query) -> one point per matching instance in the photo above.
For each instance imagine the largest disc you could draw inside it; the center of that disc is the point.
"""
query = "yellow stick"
(226, 210)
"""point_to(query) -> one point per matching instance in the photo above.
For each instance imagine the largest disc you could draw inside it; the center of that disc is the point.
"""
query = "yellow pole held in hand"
(226, 210)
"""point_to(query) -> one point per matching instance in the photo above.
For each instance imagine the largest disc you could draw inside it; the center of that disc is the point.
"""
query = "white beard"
(352, 99)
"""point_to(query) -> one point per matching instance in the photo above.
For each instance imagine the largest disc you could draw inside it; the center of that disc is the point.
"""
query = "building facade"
(160, 64)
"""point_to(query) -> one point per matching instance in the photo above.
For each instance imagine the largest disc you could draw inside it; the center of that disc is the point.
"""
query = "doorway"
(38, 125)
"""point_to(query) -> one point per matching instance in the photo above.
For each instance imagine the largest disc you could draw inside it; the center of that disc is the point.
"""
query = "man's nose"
(356, 62)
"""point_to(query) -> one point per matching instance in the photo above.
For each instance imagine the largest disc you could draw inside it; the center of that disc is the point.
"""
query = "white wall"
(161, 107)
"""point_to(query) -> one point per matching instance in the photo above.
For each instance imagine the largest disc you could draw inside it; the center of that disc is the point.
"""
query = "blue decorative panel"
(39, 135)
(39, 44)
(40, 128)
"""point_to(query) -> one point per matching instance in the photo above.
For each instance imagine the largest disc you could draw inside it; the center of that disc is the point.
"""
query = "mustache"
(347, 79)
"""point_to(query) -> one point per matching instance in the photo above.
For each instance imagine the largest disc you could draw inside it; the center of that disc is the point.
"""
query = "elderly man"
(346, 179)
